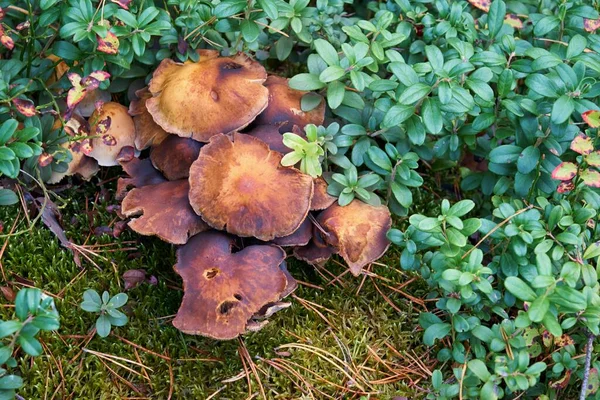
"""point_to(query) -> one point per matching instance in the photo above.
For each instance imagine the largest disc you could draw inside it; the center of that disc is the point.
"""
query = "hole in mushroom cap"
(238, 296)
(211, 273)
(226, 306)
(231, 65)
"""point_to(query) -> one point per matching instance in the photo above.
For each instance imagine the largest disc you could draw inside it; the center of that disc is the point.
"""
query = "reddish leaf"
(582, 144)
(86, 147)
(565, 187)
(23, 25)
(591, 177)
(592, 118)
(123, 3)
(591, 25)
(100, 76)
(102, 127)
(593, 159)
(77, 92)
(514, 21)
(483, 5)
(565, 171)
(7, 41)
(133, 278)
(2, 13)
(25, 107)
(109, 44)
(45, 159)
(562, 382)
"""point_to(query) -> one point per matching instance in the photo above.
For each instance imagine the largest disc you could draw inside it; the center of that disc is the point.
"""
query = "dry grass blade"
(245, 354)
(115, 360)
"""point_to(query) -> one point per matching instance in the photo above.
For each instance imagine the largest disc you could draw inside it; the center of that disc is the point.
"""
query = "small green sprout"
(107, 307)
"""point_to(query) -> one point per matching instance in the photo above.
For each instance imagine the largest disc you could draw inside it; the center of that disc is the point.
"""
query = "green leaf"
(562, 109)
(118, 300)
(519, 289)
(496, 17)
(436, 331)
(310, 101)
(432, 116)
(397, 115)
(250, 30)
(270, 8)
(435, 57)
(7, 130)
(306, 82)
(21, 150)
(429, 224)
(335, 94)
(327, 52)
(46, 323)
(505, 154)
(5, 354)
(479, 369)
(30, 345)
(592, 251)
(414, 93)
(380, 158)
(538, 309)
(66, 51)
(283, 47)
(8, 197)
(528, 160)
(7, 328)
(461, 208)
(481, 89)
(402, 194)
(505, 82)
(8, 382)
(489, 391)
(545, 25)
(576, 46)
(332, 73)
(542, 85)
(129, 19)
(228, 8)
(103, 326)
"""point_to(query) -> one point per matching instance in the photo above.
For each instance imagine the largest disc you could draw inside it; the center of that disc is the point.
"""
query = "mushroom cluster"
(214, 185)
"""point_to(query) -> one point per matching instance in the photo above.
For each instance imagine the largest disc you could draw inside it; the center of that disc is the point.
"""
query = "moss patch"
(356, 328)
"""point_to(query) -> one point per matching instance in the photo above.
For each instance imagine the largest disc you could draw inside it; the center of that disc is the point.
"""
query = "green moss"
(359, 322)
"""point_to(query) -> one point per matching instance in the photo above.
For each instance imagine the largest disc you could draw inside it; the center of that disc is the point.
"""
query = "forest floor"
(342, 337)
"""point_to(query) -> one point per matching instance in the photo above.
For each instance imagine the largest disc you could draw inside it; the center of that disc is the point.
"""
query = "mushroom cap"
(313, 254)
(120, 133)
(222, 291)
(165, 211)
(321, 199)
(300, 237)
(285, 106)
(141, 173)
(241, 186)
(270, 135)
(87, 106)
(358, 231)
(214, 95)
(147, 132)
(174, 156)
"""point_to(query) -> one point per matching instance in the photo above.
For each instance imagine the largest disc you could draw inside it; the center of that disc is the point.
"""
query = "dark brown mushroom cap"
(358, 231)
(313, 254)
(222, 291)
(147, 132)
(300, 237)
(165, 211)
(284, 107)
(214, 95)
(241, 186)
(174, 156)
(141, 173)
(321, 199)
(271, 136)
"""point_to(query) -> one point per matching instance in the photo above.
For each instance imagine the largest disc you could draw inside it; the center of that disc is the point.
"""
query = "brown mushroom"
(358, 231)
(239, 185)
(271, 136)
(141, 173)
(214, 95)
(147, 132)
(321, 199)
(114, 129)
(174, 156)
(223, 290)
(300, 237)
(284, 107)
(165, 211)
(313, 254)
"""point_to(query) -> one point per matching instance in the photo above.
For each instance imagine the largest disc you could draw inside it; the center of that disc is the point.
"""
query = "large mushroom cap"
(141, 173)
(147, 132)
(115, 129)
(174, 156)
(241, 186)
(165, 211)
(358, 231)
(214, 95)
(285, 106)
(222, 291)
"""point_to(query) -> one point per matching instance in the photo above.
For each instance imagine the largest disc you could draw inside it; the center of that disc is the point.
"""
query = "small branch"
(586, 370)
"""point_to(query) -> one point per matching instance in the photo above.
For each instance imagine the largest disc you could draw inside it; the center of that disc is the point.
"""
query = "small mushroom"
(147, 132)
(358, 231)
(141, 173)
(321, 199)
(239, 185)
(214, 95)
(223, 290)
(300, 237)
(313, 254)
(114, 129)
(174, 156)
(165, 211)
(80, 164)
(87, 106)
(285, 109)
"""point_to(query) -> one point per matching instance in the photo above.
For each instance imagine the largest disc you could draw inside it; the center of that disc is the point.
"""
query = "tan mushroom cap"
(214, 95)
(321, 199)
(358, 231)
(120, 133)
(174, 156)
(222, 291)
(141, 173)
(241, 186)
(80, 164)
(285, 108)
(147, 132)
(165, 211)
